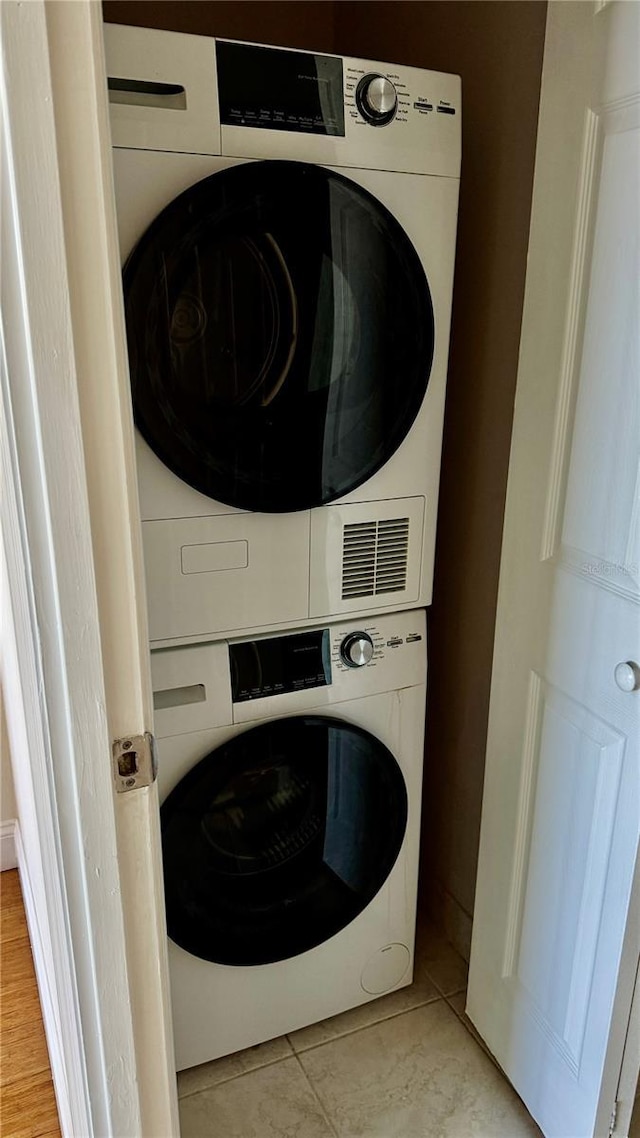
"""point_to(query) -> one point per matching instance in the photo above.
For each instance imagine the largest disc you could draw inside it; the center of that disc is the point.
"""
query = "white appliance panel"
(300, 571)
(210, 574)
(159, 57)
(421, 139)
(216, 1008)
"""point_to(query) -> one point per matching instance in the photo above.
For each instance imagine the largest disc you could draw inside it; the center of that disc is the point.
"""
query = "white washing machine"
(290, 772)
(288, 224)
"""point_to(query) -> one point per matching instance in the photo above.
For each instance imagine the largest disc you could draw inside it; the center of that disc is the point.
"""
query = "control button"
(413, 636)
(423, 106)
(446, 110)
(395, 642)
(356, 649)
(377, 99)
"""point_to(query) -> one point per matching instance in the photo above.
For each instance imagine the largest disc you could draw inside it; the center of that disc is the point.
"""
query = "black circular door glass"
(279, 838)
(281, 335)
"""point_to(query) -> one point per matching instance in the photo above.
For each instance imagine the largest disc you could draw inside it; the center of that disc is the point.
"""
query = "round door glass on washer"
(281, 335)
(280, 838)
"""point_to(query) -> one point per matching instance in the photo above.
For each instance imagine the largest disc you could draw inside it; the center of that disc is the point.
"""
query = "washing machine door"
(281, 335)
(280, 838)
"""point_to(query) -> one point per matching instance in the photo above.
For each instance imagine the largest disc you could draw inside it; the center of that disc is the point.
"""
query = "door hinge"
(134, 761)
(613, 1119)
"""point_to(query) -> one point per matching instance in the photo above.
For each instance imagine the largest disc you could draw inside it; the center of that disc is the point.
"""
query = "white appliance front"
(290, 825)
(289, 366)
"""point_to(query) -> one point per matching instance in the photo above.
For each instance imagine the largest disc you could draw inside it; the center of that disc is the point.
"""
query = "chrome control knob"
(376, 99)
(356, 649)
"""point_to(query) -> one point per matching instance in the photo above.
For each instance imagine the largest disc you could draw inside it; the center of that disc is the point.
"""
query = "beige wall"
(7, 794)
(290, 23)
(497, 49)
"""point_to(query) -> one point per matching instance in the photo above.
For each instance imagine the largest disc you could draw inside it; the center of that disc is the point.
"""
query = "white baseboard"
(8, 854)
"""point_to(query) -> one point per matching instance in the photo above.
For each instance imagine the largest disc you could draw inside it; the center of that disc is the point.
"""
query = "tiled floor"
(405, 1066)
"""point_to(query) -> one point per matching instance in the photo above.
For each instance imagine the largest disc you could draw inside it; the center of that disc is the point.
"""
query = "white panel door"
(561, 812)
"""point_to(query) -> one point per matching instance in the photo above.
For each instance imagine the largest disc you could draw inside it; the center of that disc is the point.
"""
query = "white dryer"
(288, 224)
(290, 773)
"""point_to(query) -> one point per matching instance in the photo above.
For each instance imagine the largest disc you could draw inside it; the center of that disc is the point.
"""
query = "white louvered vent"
(374, 558)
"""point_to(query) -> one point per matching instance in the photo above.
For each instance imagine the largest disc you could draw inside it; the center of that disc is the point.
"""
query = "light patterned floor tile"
(418, 1075)
(273, 1102)
(458, 1003)
(221, 1070)
(440, 960)
(420, 992)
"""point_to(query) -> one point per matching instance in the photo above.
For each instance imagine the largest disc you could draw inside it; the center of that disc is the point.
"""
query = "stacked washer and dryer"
(287, 225)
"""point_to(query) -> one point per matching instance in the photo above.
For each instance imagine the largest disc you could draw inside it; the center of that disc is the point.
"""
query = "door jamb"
(622, 1061)
(75, 586)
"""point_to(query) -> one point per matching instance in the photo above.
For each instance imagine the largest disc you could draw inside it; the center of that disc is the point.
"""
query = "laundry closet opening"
(497, 50)
(353, 499)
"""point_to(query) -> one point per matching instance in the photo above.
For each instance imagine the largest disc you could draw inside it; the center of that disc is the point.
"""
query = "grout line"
(440, 996)
(239, 1075)
(315, 1094)
(440, 987)
(466, 1023)
(311, 1047)
(364, 1026)
(441, 991)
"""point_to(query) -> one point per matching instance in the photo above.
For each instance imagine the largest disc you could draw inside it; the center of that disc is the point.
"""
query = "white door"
(554, 946)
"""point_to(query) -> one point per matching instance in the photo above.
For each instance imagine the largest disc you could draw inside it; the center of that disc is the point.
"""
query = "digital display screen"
(261, 668)
(271, 89)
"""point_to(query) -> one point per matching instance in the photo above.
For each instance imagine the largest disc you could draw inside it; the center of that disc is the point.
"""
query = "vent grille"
(374, 558)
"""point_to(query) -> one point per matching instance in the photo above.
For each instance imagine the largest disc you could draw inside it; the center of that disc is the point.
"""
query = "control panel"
(270, 88)
(358, 113)
(325, 657)
(200, 686)
(276, 665)
(373, 644)
(180, 93)
(382, 97)
(301, 91)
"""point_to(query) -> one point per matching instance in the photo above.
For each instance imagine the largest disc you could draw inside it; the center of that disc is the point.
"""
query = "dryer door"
(281, 335)
(280, 838)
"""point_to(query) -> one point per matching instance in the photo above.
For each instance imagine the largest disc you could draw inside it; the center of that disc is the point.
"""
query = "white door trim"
(622, 1062)
(41, 873)
(76, 672)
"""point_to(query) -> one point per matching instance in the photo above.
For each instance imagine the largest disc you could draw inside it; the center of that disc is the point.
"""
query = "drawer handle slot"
(179, 697)
(145, 93)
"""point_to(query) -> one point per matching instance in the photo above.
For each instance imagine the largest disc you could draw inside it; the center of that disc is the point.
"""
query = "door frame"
(75, 662)
(90, 859)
